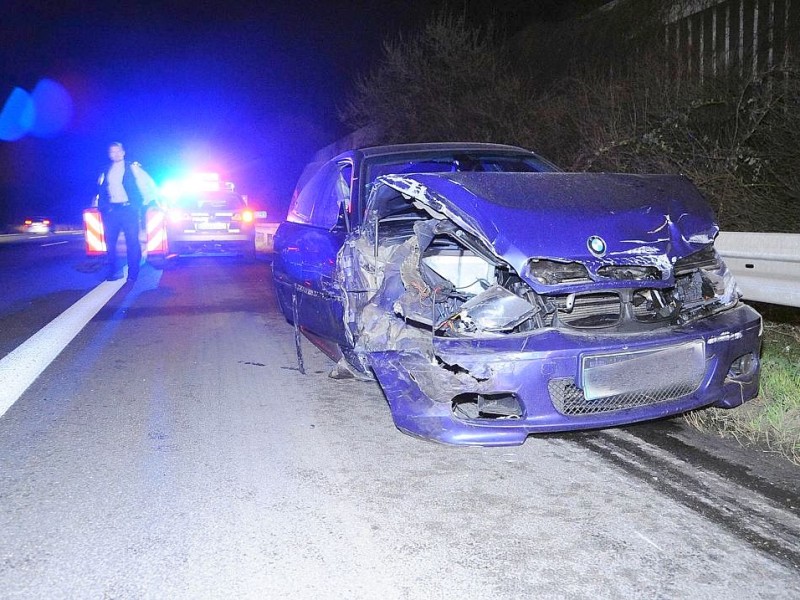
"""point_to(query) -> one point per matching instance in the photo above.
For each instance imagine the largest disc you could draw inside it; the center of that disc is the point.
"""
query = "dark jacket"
(128, 183)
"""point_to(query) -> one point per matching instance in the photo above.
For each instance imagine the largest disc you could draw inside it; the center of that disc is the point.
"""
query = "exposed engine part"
(421, 275)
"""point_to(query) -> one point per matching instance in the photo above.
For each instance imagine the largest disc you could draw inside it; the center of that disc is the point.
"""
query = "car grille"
(591, 311)
(570, 400)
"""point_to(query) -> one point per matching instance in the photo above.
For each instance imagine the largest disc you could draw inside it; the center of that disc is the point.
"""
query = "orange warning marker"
(93, 232)
(156, 224)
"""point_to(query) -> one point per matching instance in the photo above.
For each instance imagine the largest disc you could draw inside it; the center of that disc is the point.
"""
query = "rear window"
(209, 201)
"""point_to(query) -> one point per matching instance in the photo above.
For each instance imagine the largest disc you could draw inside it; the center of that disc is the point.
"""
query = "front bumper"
(421, 393)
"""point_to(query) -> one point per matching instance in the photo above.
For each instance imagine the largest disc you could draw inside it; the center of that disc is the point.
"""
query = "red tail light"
(46, 221)
(246, 216)
(28, 222)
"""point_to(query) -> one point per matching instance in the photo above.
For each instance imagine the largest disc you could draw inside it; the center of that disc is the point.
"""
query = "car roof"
(398, 149)
(403, 148)
(367, 152)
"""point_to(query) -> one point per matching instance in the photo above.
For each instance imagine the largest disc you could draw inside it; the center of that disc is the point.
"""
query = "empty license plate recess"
(212, 225)
(604, 375)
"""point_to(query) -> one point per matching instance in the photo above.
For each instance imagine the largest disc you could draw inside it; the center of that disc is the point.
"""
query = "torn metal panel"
(432, 275)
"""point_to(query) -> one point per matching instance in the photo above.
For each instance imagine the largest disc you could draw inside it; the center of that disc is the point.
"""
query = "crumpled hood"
(646, 220)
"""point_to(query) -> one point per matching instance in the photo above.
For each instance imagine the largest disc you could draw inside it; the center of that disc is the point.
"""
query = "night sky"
(249, 89)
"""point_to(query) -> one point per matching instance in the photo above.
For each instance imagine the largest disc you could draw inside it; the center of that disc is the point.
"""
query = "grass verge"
(770, 422)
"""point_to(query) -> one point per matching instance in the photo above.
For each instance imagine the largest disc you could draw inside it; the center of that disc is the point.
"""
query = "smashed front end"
(494, 305)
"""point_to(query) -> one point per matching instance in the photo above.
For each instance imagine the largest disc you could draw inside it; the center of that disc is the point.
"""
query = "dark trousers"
(123, 219)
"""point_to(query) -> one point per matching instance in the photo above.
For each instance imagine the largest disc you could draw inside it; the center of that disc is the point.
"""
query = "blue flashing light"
(53, 108)
(196, 182)
(171, 189)
(17, 116)
(204, 182)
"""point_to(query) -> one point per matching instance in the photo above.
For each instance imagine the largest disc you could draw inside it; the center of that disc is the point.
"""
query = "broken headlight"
(630, 272)
(496, 309)
(702, 279)
(552, 272)
(705, 258)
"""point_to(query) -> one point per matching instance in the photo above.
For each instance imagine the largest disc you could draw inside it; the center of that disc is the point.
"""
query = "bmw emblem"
(597, 245)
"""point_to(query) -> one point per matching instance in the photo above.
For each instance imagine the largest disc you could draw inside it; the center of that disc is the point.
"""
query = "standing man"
(124, 188)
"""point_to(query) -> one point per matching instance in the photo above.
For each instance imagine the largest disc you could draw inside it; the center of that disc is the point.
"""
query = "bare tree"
(448, 81)
(739, 141)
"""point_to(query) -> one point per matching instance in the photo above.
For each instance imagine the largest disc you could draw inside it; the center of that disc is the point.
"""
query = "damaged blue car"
(493, 296)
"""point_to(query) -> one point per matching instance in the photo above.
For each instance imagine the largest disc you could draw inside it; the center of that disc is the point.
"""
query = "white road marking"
(649, 541)
(54, 244)
(20, 368)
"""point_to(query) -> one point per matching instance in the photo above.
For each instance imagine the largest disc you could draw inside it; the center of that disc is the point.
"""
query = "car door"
(306, 247)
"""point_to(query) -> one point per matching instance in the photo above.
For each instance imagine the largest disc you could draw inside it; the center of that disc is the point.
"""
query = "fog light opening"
(743, 366)
(503, 405)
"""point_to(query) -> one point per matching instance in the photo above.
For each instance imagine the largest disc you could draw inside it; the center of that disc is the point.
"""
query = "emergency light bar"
(196, 182)
(204, 182)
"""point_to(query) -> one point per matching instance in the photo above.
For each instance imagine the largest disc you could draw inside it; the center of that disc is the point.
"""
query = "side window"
(315, 191)
(344, 196)
(327, 210)
(344, 181)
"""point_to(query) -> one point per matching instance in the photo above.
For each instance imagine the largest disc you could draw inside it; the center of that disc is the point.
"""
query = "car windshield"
(212, 201)
(457, 162)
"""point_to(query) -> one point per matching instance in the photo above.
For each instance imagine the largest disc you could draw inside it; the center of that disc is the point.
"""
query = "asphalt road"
(40, 277)
(173, 450)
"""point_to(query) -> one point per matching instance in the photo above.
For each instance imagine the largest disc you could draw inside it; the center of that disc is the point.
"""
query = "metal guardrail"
(766, 265)
(265, 232)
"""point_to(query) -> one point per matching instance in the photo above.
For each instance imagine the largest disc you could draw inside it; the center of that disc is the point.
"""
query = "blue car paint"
(525, 364)
(552, 215)
(650, 220)
(306, 268)
(305, 256)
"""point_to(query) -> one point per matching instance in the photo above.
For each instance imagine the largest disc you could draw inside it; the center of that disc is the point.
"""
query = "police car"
(207, 219)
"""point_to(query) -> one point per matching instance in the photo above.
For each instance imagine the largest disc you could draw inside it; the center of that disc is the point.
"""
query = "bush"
(738, 141)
